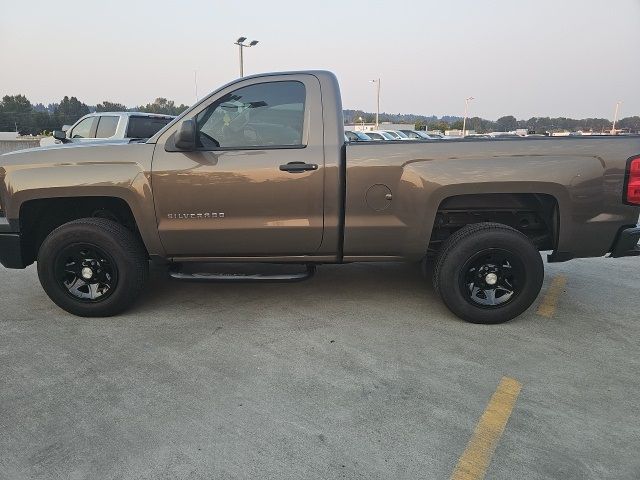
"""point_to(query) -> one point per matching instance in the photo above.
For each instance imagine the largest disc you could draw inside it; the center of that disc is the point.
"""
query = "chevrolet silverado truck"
(259, 172)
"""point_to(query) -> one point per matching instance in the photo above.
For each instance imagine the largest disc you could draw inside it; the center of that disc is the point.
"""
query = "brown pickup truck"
(259, 171)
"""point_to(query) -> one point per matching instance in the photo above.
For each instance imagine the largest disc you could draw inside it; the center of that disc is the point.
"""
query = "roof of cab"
(130, 114)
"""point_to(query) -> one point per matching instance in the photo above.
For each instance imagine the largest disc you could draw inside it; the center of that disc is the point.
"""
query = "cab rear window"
(145, 127)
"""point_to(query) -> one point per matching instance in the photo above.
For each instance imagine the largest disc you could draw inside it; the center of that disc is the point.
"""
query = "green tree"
(507, 123)
(633, 123)
(15, 113)
(69, 111)
(164, 106)
(107, 106)
(439, 125)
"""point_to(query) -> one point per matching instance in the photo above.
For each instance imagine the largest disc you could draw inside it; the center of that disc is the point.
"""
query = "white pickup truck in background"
(109, 126)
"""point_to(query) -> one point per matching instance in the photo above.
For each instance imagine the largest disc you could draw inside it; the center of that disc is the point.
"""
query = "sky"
(572, 58)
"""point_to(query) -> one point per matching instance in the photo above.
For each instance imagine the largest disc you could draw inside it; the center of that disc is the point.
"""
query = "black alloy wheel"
(492, 278)
(488, 273)
(93, 267)
(88, 273)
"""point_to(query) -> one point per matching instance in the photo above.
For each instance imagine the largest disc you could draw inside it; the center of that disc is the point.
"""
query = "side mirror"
(60, 135)
(185, 137)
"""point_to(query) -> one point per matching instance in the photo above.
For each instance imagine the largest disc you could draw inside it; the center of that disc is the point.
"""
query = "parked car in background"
(109, 126)
(375, 136)
(416, 135)
(357, 136)
(382, 135)
(396, 135)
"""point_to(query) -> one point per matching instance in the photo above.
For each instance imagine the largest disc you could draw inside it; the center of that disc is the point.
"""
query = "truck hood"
(100, 152)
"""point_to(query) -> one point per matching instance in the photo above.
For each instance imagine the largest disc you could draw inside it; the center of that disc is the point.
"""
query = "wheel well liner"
(533, 214)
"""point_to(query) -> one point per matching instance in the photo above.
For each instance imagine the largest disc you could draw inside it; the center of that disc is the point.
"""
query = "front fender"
(126, 180)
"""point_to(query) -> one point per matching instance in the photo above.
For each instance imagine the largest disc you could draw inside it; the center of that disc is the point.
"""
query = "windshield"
(401, 134)
(410, 134)
(362, 136)
(388, 136)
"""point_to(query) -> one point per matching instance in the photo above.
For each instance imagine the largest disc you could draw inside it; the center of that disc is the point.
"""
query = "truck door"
(254, 185)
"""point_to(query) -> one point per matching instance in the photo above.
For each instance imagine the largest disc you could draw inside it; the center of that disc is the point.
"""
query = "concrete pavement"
(358, 373)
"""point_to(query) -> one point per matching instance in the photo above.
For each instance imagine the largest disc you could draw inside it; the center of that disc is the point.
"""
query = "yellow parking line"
(474, 461)
(548, 306)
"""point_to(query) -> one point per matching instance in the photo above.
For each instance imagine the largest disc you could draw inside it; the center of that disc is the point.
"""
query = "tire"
(113, 256)
(479, 265)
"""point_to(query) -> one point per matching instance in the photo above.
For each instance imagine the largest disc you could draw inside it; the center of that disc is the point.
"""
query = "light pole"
(361, 120)
(377, 82)
(615, 117)
(195, 83)
(241, 46)
(466, 112)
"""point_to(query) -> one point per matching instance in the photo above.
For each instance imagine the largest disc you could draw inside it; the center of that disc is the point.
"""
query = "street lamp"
(377, 82)
(361, 120)
(615, 117)
(241, 46)
(466, 111)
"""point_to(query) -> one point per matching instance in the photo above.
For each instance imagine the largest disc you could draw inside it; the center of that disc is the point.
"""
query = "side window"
(146, 127)
(262, 115)
(83, 129)
(107, 126)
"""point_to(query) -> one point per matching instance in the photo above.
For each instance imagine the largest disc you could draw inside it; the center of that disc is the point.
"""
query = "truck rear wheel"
(488, 273)
(92, 267)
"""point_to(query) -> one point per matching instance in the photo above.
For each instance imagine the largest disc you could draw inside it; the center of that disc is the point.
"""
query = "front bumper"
(626, 245)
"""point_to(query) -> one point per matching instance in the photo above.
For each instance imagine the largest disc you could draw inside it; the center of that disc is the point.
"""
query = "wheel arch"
(551, 201)
(41, 215)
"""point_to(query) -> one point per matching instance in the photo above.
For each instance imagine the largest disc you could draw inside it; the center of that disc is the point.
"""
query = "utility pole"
(377, 82)
(466, 112)
(615, 117)
(241, 46)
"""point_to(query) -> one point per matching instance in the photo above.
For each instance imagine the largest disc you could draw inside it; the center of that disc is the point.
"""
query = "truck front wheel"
(92, 267)
(488, 273)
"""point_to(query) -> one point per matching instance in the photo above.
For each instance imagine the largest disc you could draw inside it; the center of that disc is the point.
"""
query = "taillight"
(633, 181)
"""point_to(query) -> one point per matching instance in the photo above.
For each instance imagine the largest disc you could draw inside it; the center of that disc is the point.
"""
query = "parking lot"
(359, 372)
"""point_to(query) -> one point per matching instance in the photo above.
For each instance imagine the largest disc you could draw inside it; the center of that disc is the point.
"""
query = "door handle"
(296, 167)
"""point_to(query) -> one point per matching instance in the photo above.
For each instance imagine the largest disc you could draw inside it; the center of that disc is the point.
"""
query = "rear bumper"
(11, 250)
(626, 245)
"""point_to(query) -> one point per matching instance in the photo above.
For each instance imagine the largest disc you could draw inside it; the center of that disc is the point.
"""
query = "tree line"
(17, 113)
(503, 124)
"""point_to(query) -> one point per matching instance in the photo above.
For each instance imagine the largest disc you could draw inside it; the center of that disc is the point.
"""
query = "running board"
(238, 277)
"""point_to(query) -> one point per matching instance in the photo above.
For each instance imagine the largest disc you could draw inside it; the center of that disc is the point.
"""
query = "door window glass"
(83, 129)
(262, 115)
